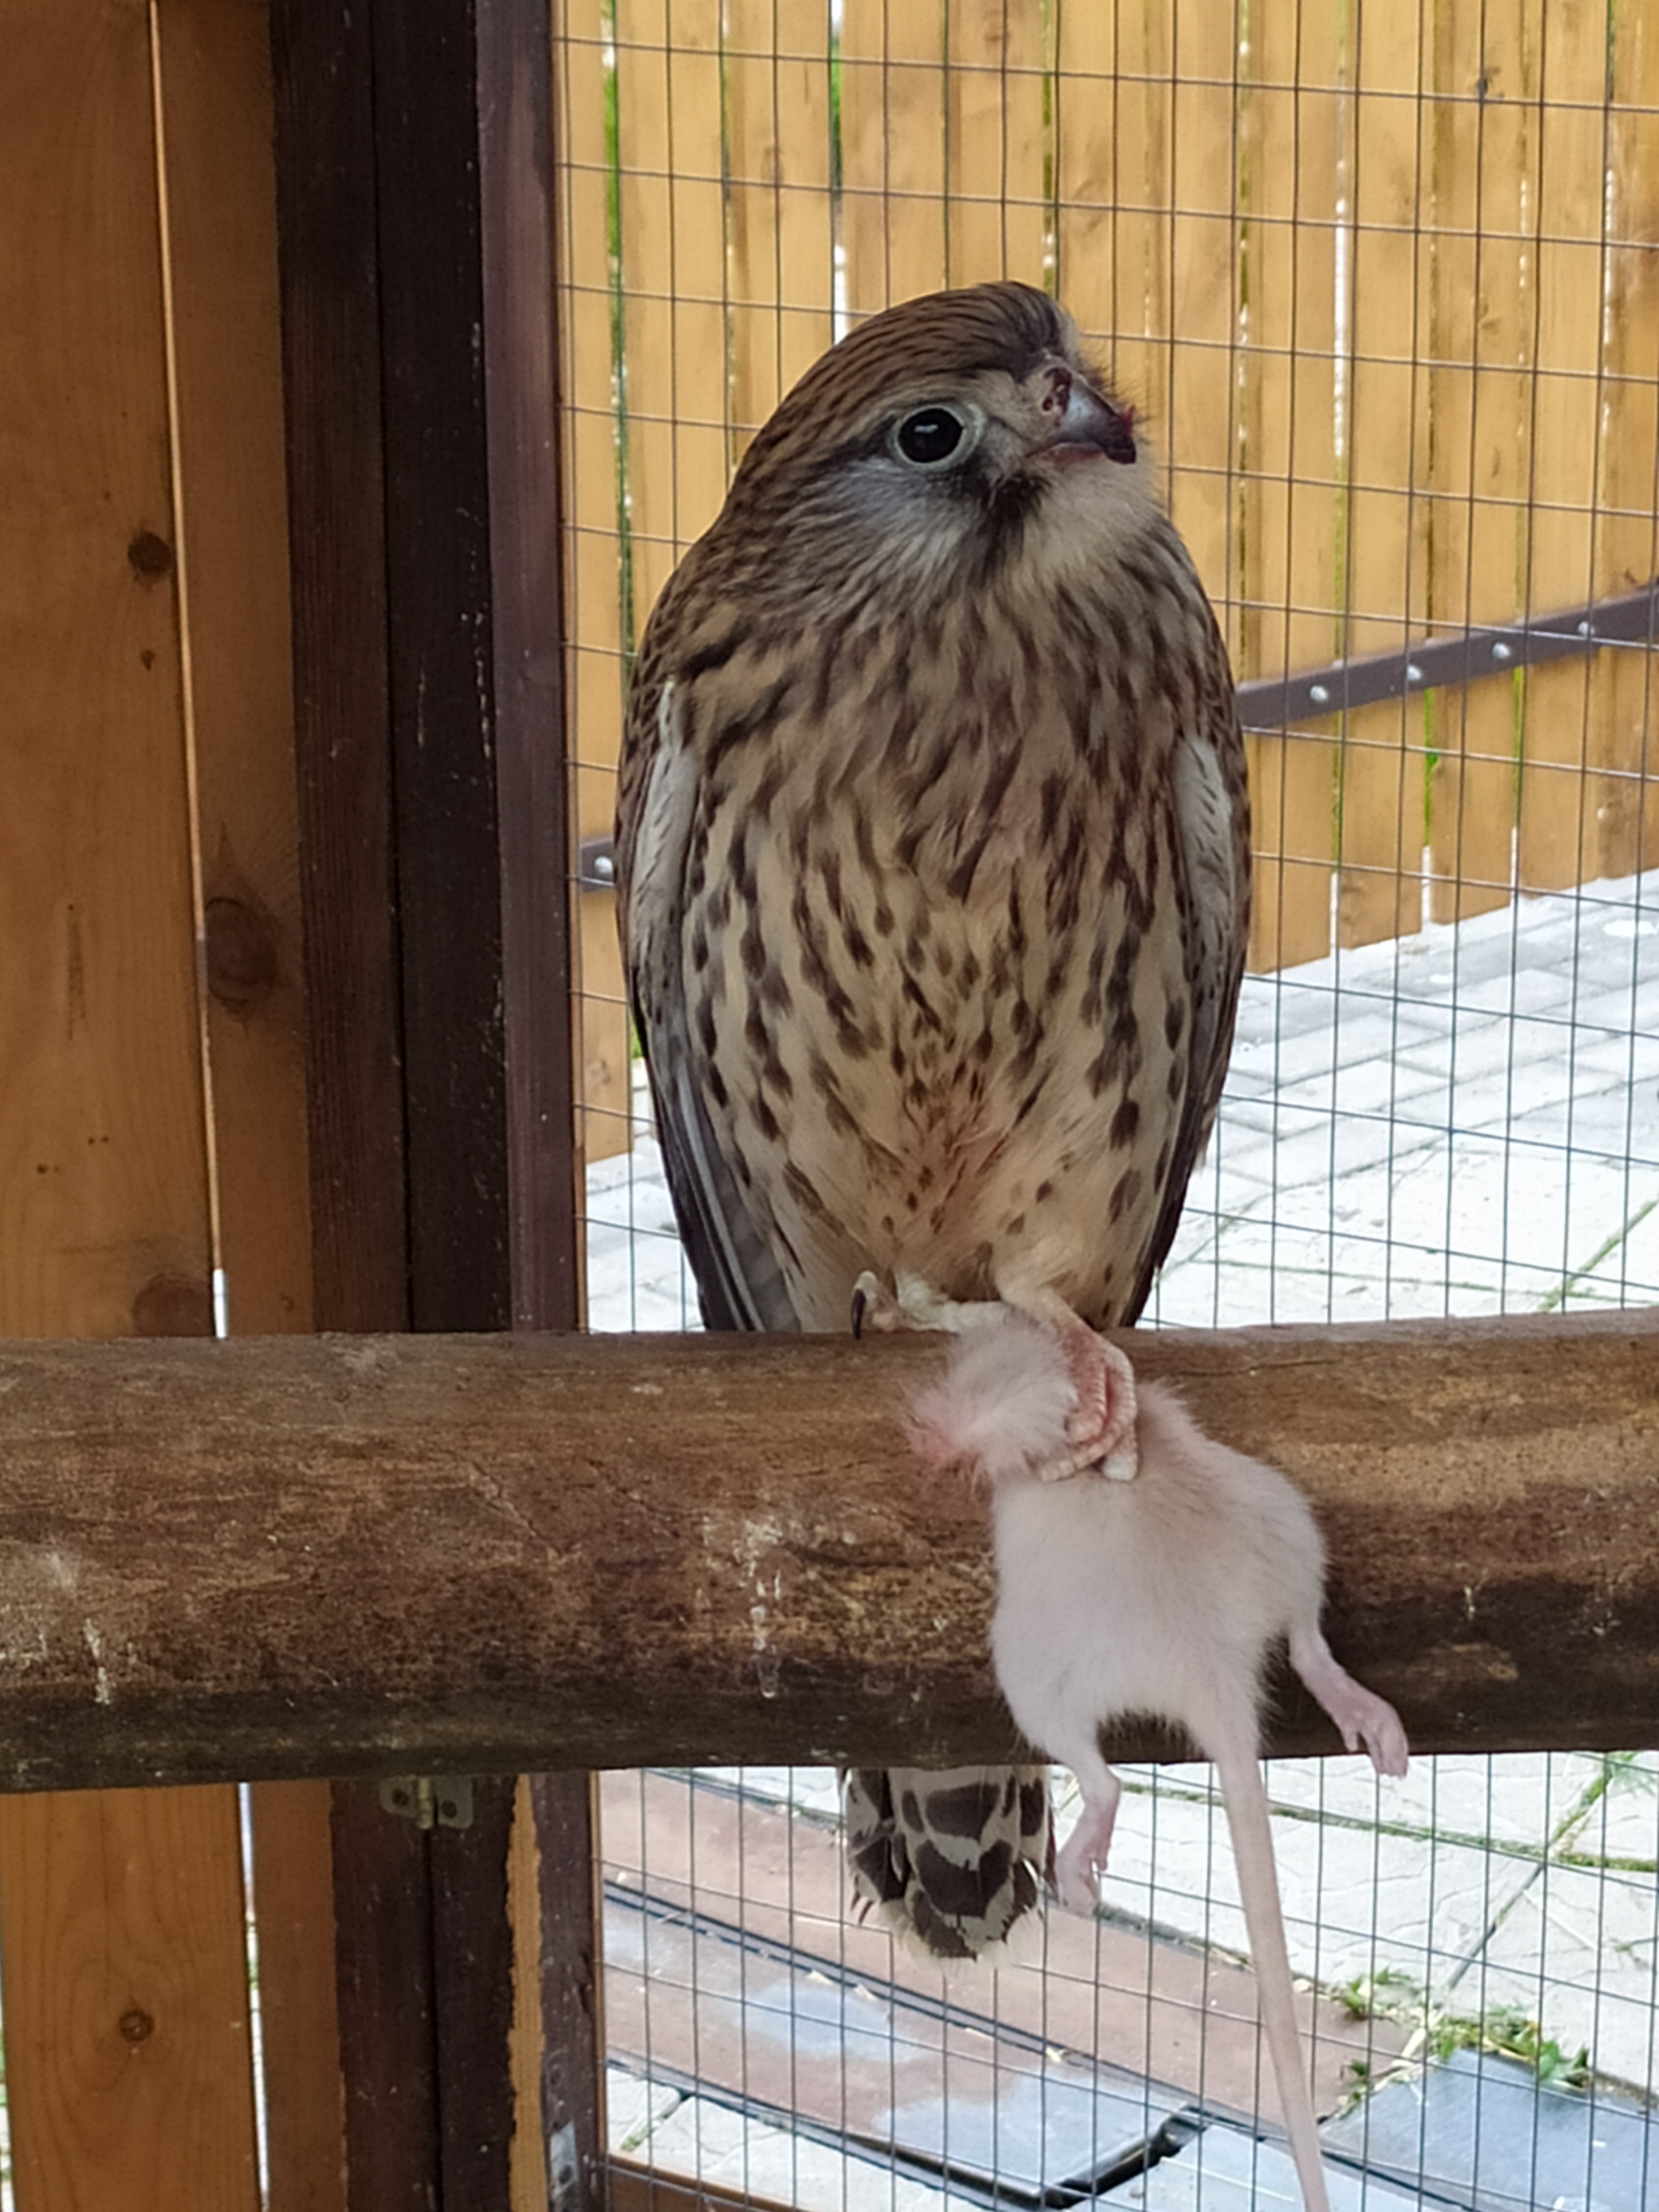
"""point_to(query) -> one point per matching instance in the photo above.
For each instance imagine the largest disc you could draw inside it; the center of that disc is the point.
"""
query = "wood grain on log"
(352, 1555)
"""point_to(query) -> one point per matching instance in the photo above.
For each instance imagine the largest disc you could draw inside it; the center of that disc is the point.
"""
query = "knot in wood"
(150, 558)
(241, 953)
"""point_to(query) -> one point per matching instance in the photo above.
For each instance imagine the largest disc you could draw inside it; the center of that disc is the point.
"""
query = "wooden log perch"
(334, 1556)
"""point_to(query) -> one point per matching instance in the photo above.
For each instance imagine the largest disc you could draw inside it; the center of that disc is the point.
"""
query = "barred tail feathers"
(952, 1860)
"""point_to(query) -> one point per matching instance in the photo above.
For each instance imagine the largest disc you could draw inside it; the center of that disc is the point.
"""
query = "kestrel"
(934, 855)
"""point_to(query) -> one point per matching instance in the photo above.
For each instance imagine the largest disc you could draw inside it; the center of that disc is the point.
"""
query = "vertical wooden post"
(416, 173)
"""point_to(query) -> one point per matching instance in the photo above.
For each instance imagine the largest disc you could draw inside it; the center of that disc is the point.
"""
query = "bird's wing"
(1213, 853)
(739, 1282)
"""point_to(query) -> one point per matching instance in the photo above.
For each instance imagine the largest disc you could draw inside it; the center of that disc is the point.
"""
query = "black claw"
(861, 1303)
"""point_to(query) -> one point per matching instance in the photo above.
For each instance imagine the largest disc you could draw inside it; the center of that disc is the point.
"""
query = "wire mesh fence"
(1384, 284)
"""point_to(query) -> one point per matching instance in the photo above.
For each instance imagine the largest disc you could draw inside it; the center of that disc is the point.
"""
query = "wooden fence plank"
(482, 1554)
(1292, 154)
(221, 221)
(780, 215)
(679, 454)
(1115, 98)
(128, 2059)
(217, 104)
(1200, 290)
(120, 1918)
(106, 1224)
(1560, 703)
(1485, 174)
(1626, 802)
(529, 2166)
(1386, 538)
(1093, 275)
(996, 139)
(894, 206)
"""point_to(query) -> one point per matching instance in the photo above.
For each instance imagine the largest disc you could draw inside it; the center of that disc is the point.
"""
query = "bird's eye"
(929, 436)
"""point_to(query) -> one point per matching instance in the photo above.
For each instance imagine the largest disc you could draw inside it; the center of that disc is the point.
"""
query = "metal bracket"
(596, 865)
(430, 1800)
(1462, 655)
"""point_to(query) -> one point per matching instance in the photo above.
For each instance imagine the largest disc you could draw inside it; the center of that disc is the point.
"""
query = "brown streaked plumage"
(932, 847)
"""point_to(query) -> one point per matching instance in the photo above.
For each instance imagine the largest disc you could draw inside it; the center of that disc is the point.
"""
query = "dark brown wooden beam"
(414, 151)
(452, 1555)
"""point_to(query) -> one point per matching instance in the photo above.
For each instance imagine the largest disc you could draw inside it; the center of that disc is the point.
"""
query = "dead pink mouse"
(1163, 1595)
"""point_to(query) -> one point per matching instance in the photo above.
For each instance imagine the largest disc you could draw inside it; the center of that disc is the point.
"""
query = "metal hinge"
(431, 1800)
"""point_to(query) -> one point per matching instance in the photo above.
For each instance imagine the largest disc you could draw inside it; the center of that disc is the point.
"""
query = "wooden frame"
(413, 161)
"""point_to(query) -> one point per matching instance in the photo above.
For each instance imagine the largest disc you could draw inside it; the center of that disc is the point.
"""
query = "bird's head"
(953, 438)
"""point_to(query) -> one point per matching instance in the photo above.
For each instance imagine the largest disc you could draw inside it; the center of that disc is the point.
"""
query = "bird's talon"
(875, 1307)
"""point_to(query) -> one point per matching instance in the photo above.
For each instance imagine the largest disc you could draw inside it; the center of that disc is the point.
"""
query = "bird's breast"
(958, 1017)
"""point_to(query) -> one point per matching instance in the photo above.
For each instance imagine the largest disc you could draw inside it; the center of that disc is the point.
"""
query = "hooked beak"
(1083, 425)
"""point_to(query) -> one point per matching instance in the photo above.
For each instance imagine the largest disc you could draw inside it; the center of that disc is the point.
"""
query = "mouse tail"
(1246, 1804)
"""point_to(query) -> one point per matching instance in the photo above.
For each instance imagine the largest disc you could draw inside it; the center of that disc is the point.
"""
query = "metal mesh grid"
(1380, 281)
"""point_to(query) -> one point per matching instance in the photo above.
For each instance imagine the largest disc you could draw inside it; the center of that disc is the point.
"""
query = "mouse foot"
(1363, 1720)
(1081, 1859)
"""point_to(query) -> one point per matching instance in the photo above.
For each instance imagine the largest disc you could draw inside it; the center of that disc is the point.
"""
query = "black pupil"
(931, 436)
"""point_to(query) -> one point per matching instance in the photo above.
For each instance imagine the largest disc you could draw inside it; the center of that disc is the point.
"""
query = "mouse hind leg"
(1081, 1859)
(1362, 1717)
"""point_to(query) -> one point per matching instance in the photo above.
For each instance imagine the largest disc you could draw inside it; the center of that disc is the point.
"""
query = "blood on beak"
(1085, 425)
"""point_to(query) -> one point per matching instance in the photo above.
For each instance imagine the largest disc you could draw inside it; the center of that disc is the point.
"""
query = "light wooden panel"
(893, 110)
(1127, 151)
(779, 218)
(1198, 297)
(120, 1915)
(222, 242)
(996, 142)
(1558, 842)
(1099, 281)
(1486, 174)
(131, 2085)
(1386, 537)
(1626, 797)
(674, 281)
(1294, 146)
(528, 2173)
(221, 222)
